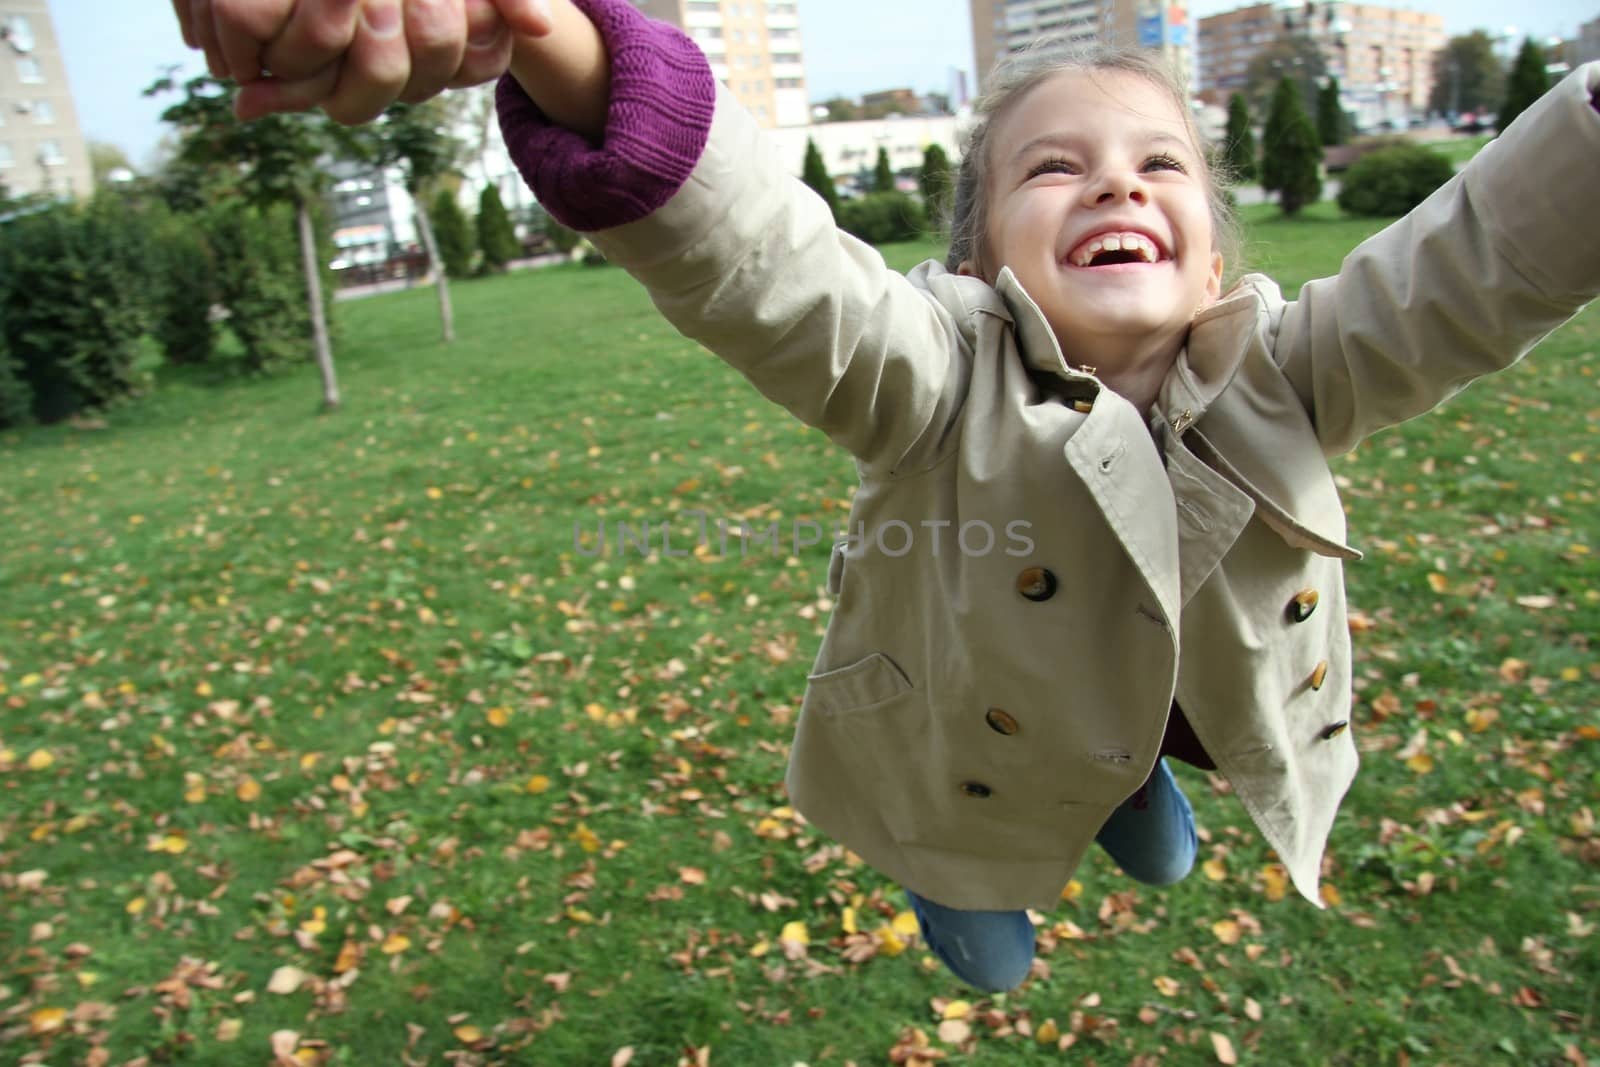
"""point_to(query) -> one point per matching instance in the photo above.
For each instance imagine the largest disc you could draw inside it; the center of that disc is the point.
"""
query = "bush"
(185, 289)
(453, 234)
(879, 218)
(1392, 181)
(496, 236)
(72, 309)
(16, 395)
(260, 281)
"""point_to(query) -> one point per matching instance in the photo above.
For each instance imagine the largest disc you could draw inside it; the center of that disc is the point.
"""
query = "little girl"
(977, 717)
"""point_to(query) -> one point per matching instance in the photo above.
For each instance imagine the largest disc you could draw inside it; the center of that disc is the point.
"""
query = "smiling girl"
(976, 720)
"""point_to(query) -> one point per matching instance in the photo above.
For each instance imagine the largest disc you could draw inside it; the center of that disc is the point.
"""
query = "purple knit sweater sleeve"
(662, 98)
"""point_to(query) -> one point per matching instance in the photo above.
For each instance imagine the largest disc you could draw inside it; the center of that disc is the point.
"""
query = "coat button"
(1001, 722)
(1330, 732)
(1303, 604)
(1036, 584)
(1319, 674)
(976, 790)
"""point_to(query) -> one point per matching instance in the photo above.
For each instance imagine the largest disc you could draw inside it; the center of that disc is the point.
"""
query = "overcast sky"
(114, 48)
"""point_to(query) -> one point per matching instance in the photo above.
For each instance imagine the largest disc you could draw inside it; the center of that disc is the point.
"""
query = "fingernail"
(383, 20)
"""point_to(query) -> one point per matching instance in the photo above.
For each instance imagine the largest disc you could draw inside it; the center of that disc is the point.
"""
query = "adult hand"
(353, 58)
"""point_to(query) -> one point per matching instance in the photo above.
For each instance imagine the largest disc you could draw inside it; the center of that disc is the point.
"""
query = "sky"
(114, 48)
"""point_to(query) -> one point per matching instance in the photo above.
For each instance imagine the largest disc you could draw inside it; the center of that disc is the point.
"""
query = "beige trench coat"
(973, 719)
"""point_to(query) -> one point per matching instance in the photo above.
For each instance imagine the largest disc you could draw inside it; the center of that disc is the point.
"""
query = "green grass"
(353, 667)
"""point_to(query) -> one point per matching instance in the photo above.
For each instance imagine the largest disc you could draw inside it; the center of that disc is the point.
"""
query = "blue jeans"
(1151, 836)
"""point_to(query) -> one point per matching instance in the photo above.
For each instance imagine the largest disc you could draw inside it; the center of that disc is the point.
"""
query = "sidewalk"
(358, 292)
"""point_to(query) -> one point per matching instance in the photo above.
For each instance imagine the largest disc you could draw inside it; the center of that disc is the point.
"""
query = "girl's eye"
(1164, 163)
(1053, 166)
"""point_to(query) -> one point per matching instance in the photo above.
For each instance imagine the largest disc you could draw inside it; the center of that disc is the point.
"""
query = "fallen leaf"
(286, 980)
(1223, 1048)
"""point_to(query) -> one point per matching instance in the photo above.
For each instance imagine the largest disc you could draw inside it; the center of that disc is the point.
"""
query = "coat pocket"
(862, 684)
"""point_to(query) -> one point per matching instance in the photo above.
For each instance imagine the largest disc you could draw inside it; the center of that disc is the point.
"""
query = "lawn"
(331, 737)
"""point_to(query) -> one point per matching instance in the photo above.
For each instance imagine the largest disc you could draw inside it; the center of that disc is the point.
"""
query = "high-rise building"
(41, 147)
(1586, 46)
(1001, 26)
(1382, 56)
(754, 49)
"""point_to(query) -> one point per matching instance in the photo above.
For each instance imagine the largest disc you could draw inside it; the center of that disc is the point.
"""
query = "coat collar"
(1217, 343)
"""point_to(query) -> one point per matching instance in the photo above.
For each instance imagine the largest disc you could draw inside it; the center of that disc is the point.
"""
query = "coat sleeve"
(747, 260)
(688, 196)
(1463, 286)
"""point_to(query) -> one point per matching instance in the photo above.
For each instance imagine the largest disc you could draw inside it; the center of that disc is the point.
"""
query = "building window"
(18, 33)
(43, 113)
(6, 158)
(28, 70)
(50, 154)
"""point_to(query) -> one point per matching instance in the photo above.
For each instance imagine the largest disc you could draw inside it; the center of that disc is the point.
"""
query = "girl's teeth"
(1112, 244)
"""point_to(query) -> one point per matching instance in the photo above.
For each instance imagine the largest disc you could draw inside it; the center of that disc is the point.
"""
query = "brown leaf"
(1223, 1048)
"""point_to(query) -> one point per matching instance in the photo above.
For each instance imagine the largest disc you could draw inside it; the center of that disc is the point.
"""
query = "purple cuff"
(662, 99)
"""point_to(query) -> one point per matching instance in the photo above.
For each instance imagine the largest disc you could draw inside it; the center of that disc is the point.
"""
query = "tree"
(1332, 125)
(842, 109)
(277, 158)
(1239, 149)
(815, 174)
(1291, 155)
(415, 138)
(497, 238)
(453, 234)
(1467, 75)
(935, 184)
(1290, 55)
(1527, 83)
(882, 173)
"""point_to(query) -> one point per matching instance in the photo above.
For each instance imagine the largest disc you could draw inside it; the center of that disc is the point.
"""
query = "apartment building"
(1586, 46)
(1382, 56)
(1001, 26)
(41, 148)
(754, 49)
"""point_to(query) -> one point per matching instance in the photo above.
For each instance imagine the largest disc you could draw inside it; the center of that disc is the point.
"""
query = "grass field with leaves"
(322, 743)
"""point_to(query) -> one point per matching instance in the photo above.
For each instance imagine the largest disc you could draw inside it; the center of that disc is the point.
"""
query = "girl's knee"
(1158, 870)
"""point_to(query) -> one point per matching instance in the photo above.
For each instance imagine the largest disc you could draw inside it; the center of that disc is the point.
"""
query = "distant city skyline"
(114, 49)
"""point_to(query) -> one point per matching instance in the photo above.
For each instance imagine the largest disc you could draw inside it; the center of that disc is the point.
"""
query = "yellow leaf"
(1048, 1032)
(760, 948)
(229, 1029)
(40, 759)
(1330, 894)
(905, 924)
(434, 492)
(1513, 670)
(87, 978)
(580, 915)
(586, 838)
(1438, 582)
(135, 906)
(468, 1034)
(248, 790)
(1420, 763)
(1215, 869)
(309, 760)
(1167, 987)
(194, 787)
(1226, 930)
(848, 921)
(1277, 881)
(795, 933)
(1480, 719)
(203, 689)
(538, 784)
(46, 1021)
(1072, 890)
(395, 944)
(498, 716)
(889, 942)
(956, 1009)
(597, 712)
(172, 844)
(1571, 674)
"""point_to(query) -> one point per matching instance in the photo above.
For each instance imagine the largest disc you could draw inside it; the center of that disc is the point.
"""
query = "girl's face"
(1097, 202)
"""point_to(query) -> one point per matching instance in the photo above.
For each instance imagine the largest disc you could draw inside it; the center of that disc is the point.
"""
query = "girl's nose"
(1115, 186)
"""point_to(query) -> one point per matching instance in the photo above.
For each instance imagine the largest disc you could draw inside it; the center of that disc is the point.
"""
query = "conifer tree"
(1291, 154)
(1528, 82)
(497, 238)
(1239, 150)
(934, 182)
(1331, 123)
(454, 235)
(883, 174)
(815, 174)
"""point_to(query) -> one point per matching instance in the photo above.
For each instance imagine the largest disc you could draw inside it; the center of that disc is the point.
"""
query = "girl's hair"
(1018, 73)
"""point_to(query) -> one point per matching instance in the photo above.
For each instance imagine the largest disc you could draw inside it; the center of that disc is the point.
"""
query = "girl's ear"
(1214, 282)
(969, 269)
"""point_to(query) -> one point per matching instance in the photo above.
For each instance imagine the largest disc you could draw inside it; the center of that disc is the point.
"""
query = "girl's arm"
(1463, 286)
(680, 188)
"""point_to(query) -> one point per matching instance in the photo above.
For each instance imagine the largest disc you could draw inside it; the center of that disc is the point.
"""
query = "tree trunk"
(447, 317)
(319, 322)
